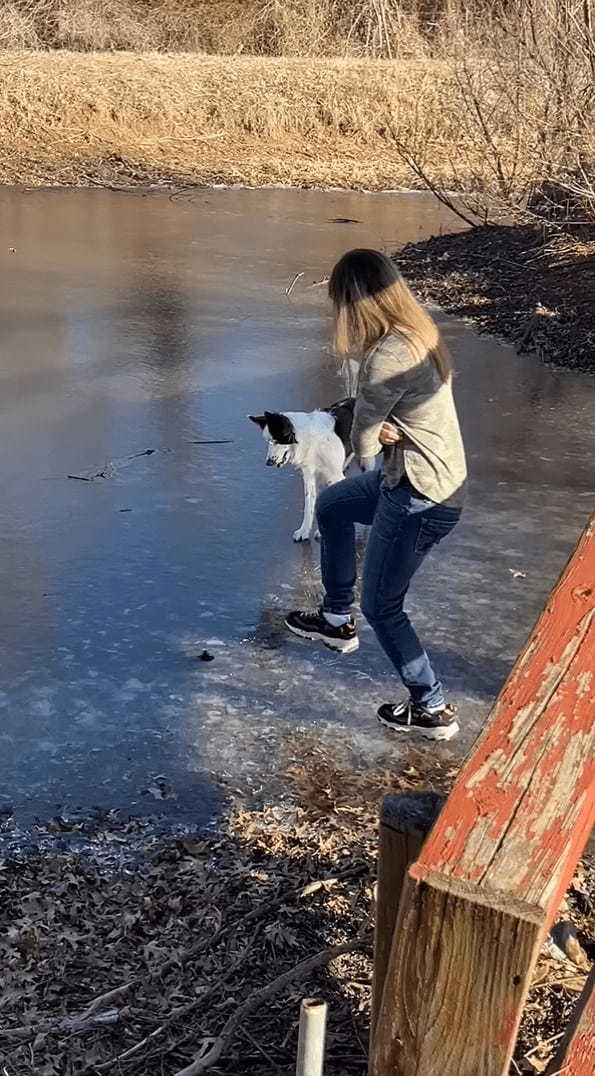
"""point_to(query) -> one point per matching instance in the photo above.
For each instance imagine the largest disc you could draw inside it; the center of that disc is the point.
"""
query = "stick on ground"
(252, 1002)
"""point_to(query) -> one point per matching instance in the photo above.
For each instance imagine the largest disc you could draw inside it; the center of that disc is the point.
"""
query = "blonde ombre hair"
(371, 300)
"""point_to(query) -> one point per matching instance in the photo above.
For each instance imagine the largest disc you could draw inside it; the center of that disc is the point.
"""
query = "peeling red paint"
(530, 784)
(583, 1061)
(576, 1056)
(499, 858)
(509, 1028)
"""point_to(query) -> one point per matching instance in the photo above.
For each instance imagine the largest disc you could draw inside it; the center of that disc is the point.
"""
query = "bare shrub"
(103, 25)
(493, 98)
(18, 28)
(527, 116)
(370, 28)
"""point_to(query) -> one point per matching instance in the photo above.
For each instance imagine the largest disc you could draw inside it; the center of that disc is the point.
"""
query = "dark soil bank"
(508, 281)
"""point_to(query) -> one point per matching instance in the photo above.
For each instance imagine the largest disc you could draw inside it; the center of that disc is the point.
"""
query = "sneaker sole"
(348, 647)
(441, 732)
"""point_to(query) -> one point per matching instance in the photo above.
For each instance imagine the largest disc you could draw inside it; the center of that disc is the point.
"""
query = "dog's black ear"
(280, 428)
(260, 420)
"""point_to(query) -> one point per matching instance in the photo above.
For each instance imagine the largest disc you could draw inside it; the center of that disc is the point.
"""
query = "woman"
(404, 403)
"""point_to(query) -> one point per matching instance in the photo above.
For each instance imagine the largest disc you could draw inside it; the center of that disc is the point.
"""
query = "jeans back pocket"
(431, 531)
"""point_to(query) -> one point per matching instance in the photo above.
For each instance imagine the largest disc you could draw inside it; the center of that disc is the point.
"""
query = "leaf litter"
(175, 947)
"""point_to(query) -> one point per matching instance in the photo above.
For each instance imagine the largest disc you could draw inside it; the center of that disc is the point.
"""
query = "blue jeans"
(405, 526)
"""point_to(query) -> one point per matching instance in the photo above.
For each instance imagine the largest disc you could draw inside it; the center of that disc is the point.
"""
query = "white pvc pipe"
(310, 1059)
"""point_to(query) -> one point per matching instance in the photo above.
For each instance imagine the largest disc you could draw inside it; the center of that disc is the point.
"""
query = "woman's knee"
(370, 603)
(376, 606)
(325, 506)
(369, 607)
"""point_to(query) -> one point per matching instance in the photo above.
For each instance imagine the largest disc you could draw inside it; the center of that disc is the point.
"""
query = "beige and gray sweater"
(394, 385)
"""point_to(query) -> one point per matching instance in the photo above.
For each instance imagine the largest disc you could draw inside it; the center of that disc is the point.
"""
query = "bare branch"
(265, 994)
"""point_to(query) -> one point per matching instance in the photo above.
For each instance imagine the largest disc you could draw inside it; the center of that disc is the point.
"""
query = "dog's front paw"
(301, 535)
(317, 535)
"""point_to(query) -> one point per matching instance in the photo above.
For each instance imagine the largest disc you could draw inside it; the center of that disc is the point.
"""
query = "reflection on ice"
(133, 322)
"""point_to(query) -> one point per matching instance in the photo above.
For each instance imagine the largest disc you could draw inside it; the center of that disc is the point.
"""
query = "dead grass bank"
(122, 118)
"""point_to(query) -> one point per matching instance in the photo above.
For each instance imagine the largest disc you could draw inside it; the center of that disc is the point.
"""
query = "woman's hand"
(389, 434)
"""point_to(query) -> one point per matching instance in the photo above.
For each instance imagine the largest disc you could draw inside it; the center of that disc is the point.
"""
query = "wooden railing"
(460, 928)
(576, 1056)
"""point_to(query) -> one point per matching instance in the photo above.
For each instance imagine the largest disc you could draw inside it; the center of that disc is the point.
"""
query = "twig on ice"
(289, 289)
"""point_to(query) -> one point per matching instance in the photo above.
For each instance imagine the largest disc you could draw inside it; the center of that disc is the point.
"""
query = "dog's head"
(279, 433)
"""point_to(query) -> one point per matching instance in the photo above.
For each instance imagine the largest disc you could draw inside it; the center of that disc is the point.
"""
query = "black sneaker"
(411, 717)
(316, 626)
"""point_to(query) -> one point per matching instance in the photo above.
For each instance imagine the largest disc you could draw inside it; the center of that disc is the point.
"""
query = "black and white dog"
(317, 443)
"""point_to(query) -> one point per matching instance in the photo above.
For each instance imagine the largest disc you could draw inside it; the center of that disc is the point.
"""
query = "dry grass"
(495, 98)
(121, 117)
(380, 28)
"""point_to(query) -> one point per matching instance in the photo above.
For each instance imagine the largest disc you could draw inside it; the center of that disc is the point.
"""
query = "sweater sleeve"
(381, 386)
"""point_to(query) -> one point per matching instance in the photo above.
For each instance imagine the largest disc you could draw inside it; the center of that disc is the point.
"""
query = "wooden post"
(405, 821)
(310, 1059)
(576, 1055)
(491, 875)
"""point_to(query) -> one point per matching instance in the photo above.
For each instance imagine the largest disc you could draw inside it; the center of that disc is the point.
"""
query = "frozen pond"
(134, 322)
